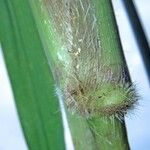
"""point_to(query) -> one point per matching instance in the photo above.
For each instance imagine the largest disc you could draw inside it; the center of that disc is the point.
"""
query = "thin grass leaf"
(30, 75)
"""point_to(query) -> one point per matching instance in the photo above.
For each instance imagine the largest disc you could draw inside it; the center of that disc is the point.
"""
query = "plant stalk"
(109, 133)
(104, 131)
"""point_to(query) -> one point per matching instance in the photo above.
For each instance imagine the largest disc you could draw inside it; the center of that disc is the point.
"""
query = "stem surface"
(109, 133)
(96, 132)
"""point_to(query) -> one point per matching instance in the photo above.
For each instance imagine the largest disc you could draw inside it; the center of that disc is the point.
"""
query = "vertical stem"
(81, 133)
(109, 38)
(97, 132)
(109, 133)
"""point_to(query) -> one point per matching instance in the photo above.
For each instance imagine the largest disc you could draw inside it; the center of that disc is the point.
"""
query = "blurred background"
(137, 120)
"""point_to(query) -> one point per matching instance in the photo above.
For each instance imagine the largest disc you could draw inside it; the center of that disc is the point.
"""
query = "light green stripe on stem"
(81, 133)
